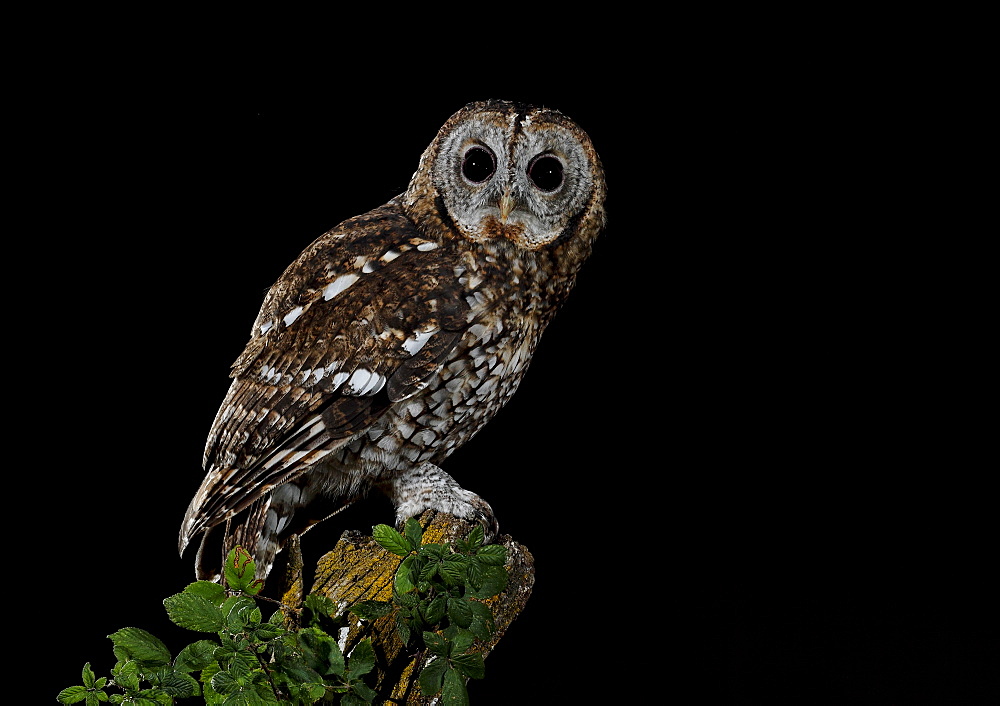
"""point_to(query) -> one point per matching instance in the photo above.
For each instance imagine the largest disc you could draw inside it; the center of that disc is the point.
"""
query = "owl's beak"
(506, 205)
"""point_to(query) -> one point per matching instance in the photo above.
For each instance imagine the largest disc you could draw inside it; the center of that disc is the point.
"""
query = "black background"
(733, 455)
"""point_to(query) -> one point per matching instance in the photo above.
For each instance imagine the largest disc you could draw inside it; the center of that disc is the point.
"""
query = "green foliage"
(437, 608)
(251, 661)
(438, 594)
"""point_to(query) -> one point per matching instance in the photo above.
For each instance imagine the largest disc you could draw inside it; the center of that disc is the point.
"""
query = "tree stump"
(359, 569)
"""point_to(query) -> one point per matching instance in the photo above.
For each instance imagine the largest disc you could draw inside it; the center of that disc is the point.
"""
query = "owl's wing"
(360, 320)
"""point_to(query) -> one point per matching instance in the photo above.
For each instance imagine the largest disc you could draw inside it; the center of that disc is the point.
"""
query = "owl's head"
(513, 172)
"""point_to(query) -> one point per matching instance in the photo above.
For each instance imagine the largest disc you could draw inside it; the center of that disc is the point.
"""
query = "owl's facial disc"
(511, 177)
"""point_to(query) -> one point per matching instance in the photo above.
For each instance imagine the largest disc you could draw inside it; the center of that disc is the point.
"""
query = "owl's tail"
(244, 530)
(263, 530)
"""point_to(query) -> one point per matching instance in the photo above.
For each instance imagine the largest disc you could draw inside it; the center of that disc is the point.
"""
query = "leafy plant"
(252, 661)
(438, 599)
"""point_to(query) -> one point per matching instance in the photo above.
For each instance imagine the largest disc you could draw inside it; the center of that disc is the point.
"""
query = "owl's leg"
(427, 487)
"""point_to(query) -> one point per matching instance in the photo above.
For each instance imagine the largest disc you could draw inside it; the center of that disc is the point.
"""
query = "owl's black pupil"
(546, 173)
(478, 165)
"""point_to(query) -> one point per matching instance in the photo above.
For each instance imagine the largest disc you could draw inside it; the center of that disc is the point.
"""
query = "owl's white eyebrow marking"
(415, 342)
(339, 285)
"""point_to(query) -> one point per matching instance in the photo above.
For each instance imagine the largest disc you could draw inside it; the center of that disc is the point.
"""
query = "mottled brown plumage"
(397, 335)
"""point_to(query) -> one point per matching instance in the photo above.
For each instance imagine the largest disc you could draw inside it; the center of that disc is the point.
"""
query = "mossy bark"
(358, 569)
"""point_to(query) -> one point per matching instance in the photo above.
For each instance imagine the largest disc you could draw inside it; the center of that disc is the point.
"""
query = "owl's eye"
(546, 172)
(478, 165)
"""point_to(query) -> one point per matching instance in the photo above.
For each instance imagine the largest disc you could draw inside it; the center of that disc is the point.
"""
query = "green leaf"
(482, 620)
(433, 550)
(494, 581)
(87, 674)
(179, 685)
(454, 692)
(209, 590)
(362, 659)
(493, 555)
(206, 677)
(240, 663)
(319, 606)
(194, 612)
(432, 676)
(321, 652)
(407, 599)
(314, 692)
(142, 646)
(225, 683)
(460, 612)
(470, 664)
(267, 631)
(295, 672)
(460, 638)
(436, 643)
(413, 532)
(371, 610)
(452, 569)
(435, 610)
(474, 573)
(72, 695)
(195, 656)
(392, 541)
(402, 583)
(240, 570)
(475, 538)
(127, 674)
(403, 630)
(367, 694)
(428, 571)
(238, 612)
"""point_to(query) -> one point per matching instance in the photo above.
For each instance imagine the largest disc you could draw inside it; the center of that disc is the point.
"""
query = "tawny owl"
(398, 334)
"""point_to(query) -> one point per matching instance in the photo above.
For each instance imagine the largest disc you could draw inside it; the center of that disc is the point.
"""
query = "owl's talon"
(491, 529)
(427, 487)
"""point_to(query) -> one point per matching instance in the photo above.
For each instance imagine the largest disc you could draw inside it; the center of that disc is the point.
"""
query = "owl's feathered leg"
(427, 487)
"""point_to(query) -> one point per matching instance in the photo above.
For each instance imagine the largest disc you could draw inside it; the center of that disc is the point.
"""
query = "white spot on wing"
(364, 382)
(266, 326)
(292, 315)
(359, 379)
(339, 285)
(415, 342)
(376, 383)
(425, 247)
(339, 378)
